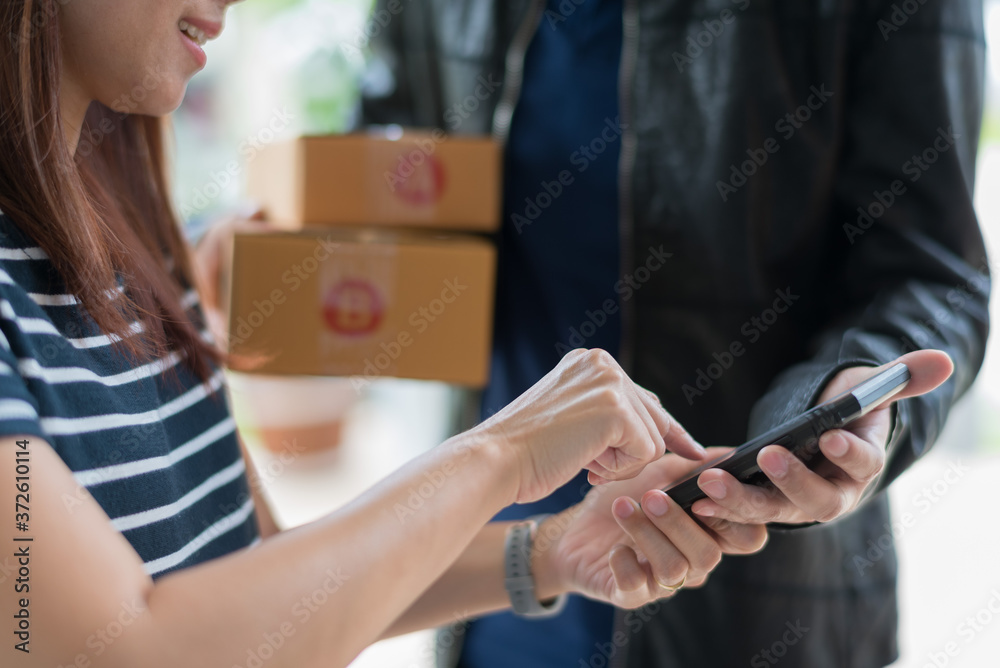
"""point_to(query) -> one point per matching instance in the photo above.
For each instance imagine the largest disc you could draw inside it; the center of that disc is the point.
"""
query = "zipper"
(626, 216)
(514, 71)
(626, 167)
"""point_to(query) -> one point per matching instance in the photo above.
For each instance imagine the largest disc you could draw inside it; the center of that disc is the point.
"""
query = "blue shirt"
(559, 261)
(155, 446)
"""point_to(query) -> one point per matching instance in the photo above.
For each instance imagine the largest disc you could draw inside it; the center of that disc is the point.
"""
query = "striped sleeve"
(18, 407)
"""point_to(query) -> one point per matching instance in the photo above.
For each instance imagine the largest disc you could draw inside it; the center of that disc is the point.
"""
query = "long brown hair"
(102, 214)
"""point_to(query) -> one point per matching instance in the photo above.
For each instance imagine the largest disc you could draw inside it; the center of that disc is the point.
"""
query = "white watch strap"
(518, 578)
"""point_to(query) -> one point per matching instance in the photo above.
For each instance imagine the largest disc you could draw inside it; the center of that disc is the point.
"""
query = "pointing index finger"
(675, 437)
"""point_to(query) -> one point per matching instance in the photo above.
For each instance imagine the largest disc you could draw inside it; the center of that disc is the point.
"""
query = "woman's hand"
(611, 548)
(585, 413)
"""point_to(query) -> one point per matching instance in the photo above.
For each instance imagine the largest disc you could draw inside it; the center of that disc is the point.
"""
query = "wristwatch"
(518, 578)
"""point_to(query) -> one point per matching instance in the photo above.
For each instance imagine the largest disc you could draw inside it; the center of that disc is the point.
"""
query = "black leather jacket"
(763, 142)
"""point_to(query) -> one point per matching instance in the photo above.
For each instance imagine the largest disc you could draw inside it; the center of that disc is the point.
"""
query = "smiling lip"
(210, 30)
(196, 51)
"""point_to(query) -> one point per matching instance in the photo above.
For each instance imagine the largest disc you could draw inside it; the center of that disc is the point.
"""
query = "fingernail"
(595, 479)
(836, 445)
(775, 465)
(714, 489)
(623, 508)
(705, 512)
(657, 505)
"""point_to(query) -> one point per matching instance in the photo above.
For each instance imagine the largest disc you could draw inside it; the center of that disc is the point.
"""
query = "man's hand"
(207, 263)
(611, 548)
(206, 257)
(854, 456)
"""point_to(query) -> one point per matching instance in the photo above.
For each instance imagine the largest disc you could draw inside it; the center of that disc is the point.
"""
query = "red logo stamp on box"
(421, 183)
(353, 307)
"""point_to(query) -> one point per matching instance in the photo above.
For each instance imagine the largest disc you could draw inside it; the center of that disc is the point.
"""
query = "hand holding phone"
(799, 435)
(854, 457)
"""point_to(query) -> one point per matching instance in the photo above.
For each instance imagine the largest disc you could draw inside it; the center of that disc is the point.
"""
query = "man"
(745, 201)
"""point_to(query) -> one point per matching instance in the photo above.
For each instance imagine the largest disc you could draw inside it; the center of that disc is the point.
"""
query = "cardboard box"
(393, 178)
(364, 304)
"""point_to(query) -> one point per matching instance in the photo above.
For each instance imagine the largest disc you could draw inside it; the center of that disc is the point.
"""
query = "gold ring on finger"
(673, 588)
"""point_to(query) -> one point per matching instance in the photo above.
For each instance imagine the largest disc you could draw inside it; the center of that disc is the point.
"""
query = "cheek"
(135, 64)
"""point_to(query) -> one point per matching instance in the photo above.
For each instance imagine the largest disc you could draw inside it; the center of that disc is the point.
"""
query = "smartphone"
(799, 435)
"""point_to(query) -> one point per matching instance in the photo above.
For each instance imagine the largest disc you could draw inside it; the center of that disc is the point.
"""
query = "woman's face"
(136, 56)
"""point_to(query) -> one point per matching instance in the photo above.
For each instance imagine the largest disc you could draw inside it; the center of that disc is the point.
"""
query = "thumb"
(928, 370)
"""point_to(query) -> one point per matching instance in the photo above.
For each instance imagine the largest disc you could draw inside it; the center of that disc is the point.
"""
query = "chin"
(166, 99)
(153, 95)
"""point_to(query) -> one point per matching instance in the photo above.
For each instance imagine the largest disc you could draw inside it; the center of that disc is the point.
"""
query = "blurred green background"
(281, 68)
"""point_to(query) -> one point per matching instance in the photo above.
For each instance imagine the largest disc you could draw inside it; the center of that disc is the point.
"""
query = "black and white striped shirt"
(154, 446)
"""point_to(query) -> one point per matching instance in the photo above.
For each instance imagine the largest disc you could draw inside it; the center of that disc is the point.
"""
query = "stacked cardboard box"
(380, 269)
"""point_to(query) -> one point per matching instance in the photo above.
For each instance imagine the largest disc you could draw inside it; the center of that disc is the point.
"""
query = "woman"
(139, 538)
